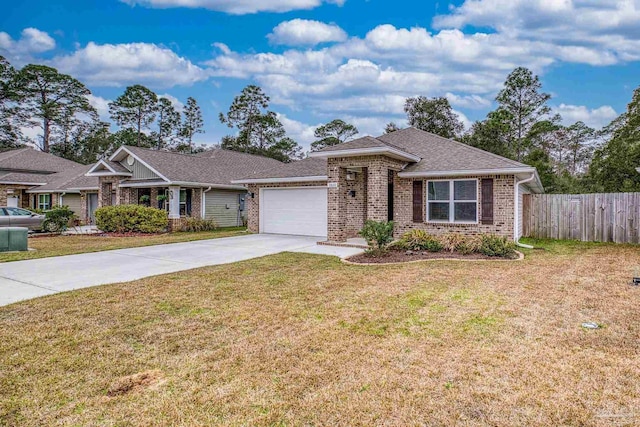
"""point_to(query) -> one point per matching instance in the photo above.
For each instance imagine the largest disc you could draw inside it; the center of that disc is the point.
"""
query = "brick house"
(32, 179)
(186, 185)
(415, 178)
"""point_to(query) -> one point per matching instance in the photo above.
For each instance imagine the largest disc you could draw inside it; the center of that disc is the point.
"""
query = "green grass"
(77, 244)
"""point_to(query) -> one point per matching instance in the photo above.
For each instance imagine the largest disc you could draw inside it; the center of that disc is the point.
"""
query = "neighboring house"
(32, 179)
(186, 185)
(415, 178)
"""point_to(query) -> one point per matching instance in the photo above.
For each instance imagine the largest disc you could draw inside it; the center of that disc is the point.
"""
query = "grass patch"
(78, 244)
(298, 339)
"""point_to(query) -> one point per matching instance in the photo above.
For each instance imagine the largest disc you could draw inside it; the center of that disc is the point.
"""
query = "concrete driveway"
(22, 280)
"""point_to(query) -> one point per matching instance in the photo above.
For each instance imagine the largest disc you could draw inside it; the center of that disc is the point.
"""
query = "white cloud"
(129, 63)
(468, 101)
(298, 32)
(596, 32)
(32, 41)
(302, 133)
(595, 118)
(376, 73)
(237, 7)
(101, 105)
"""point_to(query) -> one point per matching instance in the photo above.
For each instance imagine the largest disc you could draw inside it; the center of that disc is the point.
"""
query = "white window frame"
(451, 201)
(41, 204)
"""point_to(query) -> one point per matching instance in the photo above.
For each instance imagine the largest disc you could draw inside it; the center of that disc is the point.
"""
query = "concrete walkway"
(22, 280)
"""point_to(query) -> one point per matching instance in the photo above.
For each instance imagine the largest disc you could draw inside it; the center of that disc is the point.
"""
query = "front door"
(92, 205)
(390, 197)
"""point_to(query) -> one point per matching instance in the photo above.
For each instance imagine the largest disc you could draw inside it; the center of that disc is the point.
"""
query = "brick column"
(377, 191)
(337, 196)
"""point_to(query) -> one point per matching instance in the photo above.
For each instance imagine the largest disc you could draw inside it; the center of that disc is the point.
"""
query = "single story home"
(415, 178)
(186, 185)
(30, 178)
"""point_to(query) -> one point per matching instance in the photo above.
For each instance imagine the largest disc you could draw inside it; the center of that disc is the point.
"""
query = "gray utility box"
(13, 239)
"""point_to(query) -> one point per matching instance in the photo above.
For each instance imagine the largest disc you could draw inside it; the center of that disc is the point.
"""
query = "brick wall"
(253, 204)
(104, 195)
(18, 190)
(356, 207)
(341, 208)
(503, 208)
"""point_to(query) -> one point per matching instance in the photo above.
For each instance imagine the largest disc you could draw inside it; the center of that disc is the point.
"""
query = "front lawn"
(297, 339)
(77, 244)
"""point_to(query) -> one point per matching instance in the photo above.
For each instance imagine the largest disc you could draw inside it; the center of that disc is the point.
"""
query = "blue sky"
(326, 59)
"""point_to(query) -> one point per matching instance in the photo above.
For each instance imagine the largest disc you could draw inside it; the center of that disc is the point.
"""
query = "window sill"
(453, 223)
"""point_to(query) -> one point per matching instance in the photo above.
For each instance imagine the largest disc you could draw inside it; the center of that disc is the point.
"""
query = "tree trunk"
(47, 133)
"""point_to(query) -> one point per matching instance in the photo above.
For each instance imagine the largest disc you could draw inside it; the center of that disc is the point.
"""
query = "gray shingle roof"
(360, 143)
(440, 154)
(71, 179)
(216, 166)
(311, 166)
(24, 178)
(437, 155)
(28, 159)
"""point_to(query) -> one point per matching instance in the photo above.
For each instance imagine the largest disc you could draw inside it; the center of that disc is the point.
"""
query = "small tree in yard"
(377, 234)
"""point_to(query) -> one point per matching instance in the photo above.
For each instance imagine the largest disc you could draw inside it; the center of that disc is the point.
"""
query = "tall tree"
(192, 123)
(580, 144)
(433, 115)
(48, 97)
(168, 124)
(244, 113)
(259, 130)
(614, 165)
(333, 133)
(490, 135)
(10, 135)
(524, 104)
(135, 109)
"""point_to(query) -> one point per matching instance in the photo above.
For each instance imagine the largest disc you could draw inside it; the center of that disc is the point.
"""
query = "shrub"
(131, 218)
(377, 234)
(58, 219)
(497, 246)
(451, 242)
(420, 240)
(470, 245)
(198, 224)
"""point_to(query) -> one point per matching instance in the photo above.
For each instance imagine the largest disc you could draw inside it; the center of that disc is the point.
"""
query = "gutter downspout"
(60, 198)
(516, 219)
(202, 202)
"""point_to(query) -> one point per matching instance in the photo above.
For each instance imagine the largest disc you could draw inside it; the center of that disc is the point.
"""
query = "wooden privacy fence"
(611, 217)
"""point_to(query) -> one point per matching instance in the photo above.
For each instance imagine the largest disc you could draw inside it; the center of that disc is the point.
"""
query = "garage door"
(301, 211)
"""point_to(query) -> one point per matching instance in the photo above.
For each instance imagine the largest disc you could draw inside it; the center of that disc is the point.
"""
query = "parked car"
(16, 217)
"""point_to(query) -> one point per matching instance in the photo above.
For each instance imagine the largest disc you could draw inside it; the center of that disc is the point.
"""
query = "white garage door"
(301, 211)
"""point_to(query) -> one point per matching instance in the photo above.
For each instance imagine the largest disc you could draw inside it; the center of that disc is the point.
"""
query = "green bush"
(419, 240)
(58, 219)
(197, 224)
(497, 246)
(377, 234)
(131, 218)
